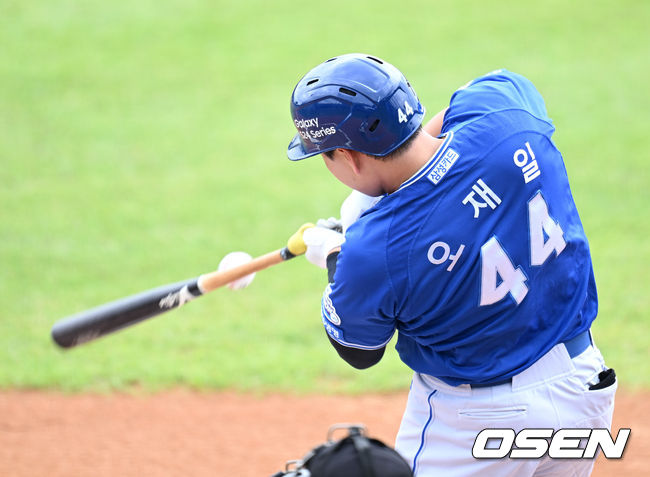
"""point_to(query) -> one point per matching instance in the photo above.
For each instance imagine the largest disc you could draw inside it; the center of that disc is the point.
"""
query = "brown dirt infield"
(184, 433)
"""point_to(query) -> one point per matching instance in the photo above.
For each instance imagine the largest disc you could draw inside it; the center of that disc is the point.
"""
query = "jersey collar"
(424, 170)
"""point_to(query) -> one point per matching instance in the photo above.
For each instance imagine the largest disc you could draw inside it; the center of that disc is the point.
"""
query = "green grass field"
(142, 141)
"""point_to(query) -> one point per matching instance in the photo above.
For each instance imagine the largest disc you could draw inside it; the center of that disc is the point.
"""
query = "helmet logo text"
(310, 130)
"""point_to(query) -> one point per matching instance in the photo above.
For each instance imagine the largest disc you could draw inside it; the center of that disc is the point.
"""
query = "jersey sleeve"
(358, 307)
(499, 90)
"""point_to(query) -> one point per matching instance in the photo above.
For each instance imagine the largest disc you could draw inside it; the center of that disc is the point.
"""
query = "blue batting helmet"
(353, 101)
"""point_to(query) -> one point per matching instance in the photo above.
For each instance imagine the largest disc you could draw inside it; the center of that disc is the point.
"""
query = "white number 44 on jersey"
(496, 264)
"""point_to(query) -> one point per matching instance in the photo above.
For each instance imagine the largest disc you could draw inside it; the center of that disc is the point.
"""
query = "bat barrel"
(110, 317)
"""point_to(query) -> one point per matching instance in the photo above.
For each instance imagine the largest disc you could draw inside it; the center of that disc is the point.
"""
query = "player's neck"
(395, 172)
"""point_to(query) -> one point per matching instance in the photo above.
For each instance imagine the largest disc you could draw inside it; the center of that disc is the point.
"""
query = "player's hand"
(353, 206)
(320, 241)
(331, 223)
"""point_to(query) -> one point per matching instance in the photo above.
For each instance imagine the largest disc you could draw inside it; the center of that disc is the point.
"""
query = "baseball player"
(464, 238)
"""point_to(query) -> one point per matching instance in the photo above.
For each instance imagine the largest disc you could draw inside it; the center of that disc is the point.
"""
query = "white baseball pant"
(441, 422)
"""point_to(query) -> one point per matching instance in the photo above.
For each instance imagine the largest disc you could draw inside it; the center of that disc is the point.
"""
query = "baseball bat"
(116, 315)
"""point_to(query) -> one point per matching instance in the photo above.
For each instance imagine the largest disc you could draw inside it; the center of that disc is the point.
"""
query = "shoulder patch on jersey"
(434, 161)
(443, 165)
(328, 309)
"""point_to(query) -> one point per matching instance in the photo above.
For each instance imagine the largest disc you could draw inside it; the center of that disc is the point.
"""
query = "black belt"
(574, 347)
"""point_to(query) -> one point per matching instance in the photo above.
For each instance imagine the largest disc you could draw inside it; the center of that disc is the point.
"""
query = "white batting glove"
(331, 223)
(353, 206)
(320, 241)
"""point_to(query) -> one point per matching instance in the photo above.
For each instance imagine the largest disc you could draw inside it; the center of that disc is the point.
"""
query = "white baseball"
(232, 260)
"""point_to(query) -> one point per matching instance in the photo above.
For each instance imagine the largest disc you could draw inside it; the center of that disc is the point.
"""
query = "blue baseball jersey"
(479, 261)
